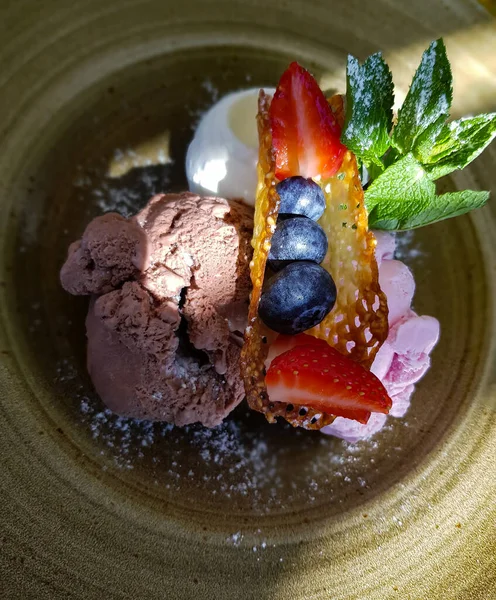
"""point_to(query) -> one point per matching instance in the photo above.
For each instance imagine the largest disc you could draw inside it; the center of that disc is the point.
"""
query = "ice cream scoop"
(222, 158)
(169, 303)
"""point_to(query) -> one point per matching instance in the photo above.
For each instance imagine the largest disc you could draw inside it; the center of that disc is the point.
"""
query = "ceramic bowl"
(98, 102)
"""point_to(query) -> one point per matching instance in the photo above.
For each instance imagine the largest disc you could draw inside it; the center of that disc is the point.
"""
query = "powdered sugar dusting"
(235, 460)
(430, 93)
(198, 112)
(126, 194)
(424, 84)
(369, 88)
(211, 89)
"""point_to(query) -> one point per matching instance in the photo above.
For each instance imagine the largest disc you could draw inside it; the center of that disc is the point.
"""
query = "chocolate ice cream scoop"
(112, 250)
(170, 293)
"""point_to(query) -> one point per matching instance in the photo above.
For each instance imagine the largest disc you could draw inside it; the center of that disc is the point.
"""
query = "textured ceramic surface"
(97, 104)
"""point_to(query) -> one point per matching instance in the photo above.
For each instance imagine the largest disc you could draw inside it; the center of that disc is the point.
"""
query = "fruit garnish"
(283, 343)
(299, 139)
(258, 336)
(313, 376)
(305, 133)
(357, 325)
(300, 196)
(404, 161)
(297, 238)
(297, 298)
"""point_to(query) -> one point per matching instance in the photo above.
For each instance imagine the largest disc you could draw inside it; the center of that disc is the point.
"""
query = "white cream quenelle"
(222, 157)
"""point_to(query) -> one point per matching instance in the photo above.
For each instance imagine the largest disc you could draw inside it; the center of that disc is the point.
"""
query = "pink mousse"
(404, 357)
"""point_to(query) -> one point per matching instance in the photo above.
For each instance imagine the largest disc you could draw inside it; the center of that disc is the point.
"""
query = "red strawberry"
(305, 133)
(321, 378)
(283, 343)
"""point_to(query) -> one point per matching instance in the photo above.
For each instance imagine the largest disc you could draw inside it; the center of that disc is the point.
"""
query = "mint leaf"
(427, 104)
(452, 204)
(401, 192)
(401, 169)
(369, 114)
(404, 197)
(425, 141)
(459, 143)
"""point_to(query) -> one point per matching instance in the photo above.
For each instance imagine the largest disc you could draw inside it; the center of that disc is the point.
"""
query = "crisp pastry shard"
(357, 325)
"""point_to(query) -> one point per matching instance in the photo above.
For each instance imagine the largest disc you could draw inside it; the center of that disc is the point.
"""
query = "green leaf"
(446, 206)
(404, 197)
(369, 114)
(401, 169)
(425, 141)
(459, 143)
(427, 104)
(402, 191)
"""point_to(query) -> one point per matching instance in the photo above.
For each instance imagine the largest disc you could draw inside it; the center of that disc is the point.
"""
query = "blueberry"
(297, 238)
(297, 298)
(300, 196)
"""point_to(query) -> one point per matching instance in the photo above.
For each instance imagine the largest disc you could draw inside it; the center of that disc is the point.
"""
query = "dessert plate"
(97, 105)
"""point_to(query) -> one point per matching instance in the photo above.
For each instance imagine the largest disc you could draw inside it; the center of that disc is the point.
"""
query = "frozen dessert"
(169, 295)
(222, 158)
(312, 322)
(404, 357)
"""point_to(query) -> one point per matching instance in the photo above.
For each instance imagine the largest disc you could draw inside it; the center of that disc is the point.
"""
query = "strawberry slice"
(283, 343)
(323, 379)
(305, 133)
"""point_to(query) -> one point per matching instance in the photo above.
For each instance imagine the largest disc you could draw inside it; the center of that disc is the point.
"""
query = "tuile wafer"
(357, 325)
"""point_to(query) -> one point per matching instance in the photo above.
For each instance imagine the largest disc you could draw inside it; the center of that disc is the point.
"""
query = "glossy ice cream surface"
(222, 158)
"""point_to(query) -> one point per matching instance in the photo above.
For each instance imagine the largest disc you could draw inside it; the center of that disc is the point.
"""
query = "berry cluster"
(300, 293)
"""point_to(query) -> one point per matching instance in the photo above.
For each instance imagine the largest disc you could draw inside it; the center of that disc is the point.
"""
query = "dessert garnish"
(327, 308)
(306, 144)
(297, 238)
(308, 371)
(404, 160)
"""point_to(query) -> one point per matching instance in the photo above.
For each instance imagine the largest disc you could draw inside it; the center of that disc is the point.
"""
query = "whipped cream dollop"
(222, 158)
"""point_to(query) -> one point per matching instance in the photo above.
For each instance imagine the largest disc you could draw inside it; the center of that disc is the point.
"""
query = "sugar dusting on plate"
(125, 194)
(238, 461)
(232, 460)
(408, 249)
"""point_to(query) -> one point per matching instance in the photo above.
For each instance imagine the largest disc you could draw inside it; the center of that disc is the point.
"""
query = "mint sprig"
(459, 143)
(420, 205)
(369, 113)
(404, 162)
(428, 101)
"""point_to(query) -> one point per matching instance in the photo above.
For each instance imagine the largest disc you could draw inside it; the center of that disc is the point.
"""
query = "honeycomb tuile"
(357, 325)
